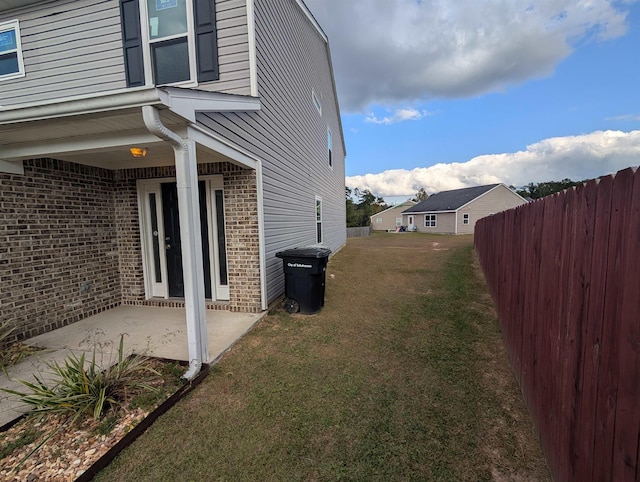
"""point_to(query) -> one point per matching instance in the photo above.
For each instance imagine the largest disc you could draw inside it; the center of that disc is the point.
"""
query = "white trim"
(8, 27)
(11, 167)
(227, 149)
(468, 219)
(261, 237)
(312, 19)
(147, 41)
(318, 199)
(431, 220)
(396, 207)
(253, 58)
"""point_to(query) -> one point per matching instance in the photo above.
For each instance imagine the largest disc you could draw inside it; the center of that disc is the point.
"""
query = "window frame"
(316, 102)
(330, 148)
(398, 222)
(430, 220)
(8, 26)
(318, 210)
(466, 219)
(148, 51)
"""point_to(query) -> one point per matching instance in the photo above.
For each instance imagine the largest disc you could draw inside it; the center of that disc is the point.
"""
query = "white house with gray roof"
(456, 211)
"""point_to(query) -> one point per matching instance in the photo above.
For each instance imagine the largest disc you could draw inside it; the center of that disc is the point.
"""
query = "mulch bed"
(77, 450)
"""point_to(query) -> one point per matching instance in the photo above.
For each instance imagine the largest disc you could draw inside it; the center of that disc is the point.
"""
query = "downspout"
(186, 171)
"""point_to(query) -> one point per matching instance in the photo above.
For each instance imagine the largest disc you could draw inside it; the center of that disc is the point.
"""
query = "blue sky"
(443, 100)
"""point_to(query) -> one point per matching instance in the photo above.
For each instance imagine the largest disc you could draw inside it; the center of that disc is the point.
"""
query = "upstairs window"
(11, 62)
(169, 22)
(168, 42)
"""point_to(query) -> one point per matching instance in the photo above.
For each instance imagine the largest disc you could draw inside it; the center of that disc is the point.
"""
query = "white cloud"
(396, 51)
(400, 115)
(627, 117)
(577, 157)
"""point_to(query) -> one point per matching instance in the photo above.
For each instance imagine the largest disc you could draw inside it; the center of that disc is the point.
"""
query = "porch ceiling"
(102, 138)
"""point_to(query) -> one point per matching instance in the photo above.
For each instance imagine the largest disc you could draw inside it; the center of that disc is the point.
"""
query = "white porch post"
(190, 234)
(191, 240)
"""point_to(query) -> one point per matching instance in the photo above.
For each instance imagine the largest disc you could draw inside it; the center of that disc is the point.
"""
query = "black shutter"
(206, 40)
(132, 42)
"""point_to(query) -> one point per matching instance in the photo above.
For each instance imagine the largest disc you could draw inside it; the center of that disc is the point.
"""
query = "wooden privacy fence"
(361, 232)
(564, 273)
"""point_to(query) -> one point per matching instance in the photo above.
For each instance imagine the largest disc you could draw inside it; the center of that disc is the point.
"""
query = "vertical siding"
(564, 275)
(74, 47)
(499, 199)
(290, 136)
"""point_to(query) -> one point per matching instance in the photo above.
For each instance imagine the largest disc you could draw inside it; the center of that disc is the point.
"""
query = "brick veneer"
(58, 252)
(70, 243)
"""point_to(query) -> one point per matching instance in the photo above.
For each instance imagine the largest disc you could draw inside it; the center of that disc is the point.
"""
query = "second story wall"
(70, 47)
(290, 134)
(74, 48)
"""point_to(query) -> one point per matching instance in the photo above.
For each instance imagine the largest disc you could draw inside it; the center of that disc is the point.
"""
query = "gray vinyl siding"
(290, 136)
(74, 47)
(233, 49)
(70, 48)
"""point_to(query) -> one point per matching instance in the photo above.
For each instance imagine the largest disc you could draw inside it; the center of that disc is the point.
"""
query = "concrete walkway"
(159, 332)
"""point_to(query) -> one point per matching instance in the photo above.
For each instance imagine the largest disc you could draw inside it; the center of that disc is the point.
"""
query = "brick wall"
(58, 251)
(70, 242)
(241, 213)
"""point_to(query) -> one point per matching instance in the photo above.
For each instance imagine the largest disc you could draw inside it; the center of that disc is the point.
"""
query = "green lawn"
(402, 376)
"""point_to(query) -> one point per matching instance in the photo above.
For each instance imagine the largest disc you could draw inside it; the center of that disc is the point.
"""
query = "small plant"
(80, 388)
(11, 353)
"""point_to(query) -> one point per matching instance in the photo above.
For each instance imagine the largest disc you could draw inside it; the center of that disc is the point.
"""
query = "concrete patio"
(153, 331)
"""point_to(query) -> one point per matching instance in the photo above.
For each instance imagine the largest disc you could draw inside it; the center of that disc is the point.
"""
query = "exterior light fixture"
(138, 151)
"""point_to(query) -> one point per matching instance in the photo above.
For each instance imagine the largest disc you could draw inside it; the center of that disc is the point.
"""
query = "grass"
(401, 377)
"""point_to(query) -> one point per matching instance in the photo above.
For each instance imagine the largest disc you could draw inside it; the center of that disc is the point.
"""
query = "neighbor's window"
(398, 221)
(465, 218)
(430, 220)
(329, 148)
(378, 220)
(11, 62)
(318, 219)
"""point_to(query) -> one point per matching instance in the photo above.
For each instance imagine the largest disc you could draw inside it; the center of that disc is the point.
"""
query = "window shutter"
(206, 40)
(132, 42)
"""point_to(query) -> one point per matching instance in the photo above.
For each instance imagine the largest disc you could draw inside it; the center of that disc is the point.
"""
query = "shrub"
(80, 388)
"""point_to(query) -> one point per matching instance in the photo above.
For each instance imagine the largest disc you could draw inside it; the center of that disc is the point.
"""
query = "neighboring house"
(390, 219)
(234, 104)
(456, 212)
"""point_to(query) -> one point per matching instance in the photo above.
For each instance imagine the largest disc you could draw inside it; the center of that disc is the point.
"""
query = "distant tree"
(421, 195)
(366, 205)
(542, 189)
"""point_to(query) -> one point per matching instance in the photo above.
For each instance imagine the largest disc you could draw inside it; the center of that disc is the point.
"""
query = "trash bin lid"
(310, 252)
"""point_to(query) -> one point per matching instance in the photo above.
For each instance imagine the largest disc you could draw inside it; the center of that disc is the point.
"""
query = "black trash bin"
(304, 278)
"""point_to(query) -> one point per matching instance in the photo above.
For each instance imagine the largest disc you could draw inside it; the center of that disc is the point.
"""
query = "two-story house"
(160, 152)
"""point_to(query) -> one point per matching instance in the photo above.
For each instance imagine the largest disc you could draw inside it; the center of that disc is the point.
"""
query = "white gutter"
(188, 205)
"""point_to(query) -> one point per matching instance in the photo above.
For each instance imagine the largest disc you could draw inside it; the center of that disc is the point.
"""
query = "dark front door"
(173, 246)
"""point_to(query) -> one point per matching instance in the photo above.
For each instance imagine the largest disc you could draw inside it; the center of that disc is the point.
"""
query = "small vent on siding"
(316, 101)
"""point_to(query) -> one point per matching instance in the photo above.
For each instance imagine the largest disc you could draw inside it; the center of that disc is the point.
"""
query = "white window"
(11, 62)
(329, 148)
(318, 219)
(316, 101)
(378, 220)
(465, 218)
(171, 54)
(398, 221)
(430, 220)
